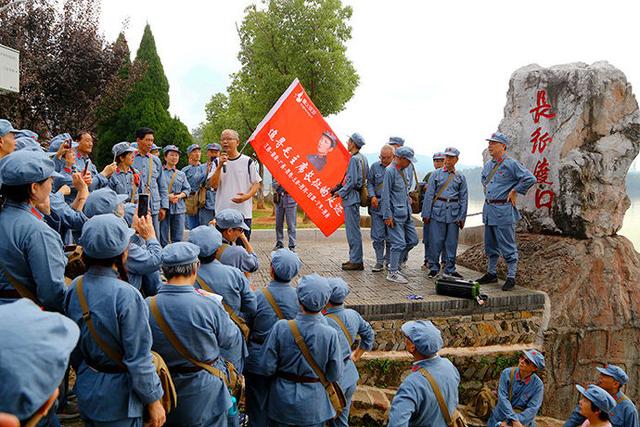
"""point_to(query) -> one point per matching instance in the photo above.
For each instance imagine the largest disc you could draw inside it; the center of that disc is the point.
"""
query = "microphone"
(224, 165)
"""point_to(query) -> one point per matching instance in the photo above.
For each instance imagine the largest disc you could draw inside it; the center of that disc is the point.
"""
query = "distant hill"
(473, 173)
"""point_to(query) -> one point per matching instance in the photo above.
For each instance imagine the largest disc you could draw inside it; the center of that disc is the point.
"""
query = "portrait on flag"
(304, 155)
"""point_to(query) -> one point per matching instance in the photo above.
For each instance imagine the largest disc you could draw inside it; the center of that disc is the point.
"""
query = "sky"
(435, 73)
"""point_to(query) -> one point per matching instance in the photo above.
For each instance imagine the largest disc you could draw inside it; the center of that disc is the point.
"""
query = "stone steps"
(381, 372)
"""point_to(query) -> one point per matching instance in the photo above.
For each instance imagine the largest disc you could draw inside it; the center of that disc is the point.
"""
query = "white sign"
(9, 69)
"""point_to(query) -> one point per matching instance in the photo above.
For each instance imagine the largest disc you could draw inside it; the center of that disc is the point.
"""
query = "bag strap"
(340, 323)
(134, 187)
(19, 287)
(234, 317)
(306, 353)
(220, 251)
(404, 178)
(364, 176)
(492, 173)
(444, 186)
(415, 176)
(113, 354)
(172, 180)
(512, 375)
(438, 393)
(150, 172)
(273, 303)
(175, 342)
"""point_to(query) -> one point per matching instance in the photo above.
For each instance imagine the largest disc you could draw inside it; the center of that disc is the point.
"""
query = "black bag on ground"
(455, 287)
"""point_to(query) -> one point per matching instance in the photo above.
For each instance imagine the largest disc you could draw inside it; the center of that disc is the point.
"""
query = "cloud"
(435, 73)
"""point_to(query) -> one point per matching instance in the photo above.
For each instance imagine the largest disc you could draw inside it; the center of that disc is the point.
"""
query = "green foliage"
(503, 362)
(146, 105)
(279, 41)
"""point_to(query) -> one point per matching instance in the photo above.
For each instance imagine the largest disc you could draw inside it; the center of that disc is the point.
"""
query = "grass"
(264, 219)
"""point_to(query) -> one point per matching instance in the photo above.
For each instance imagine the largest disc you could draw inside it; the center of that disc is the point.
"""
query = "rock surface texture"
(577, 127)
(594, 289)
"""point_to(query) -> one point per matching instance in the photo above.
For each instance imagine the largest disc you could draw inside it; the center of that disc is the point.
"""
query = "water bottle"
(233, 411)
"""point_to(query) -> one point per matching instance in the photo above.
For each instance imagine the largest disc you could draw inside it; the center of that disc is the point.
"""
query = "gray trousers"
(286, 212)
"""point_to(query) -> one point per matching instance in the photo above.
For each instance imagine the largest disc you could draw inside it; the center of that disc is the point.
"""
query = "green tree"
(146, 105)
(279, 41)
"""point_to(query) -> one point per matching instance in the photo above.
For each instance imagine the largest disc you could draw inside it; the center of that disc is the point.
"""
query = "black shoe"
(509, 284)
(432, 274)
(455, 274)
(276, 247)
(292, 248)
(352, 266)
(488, 278)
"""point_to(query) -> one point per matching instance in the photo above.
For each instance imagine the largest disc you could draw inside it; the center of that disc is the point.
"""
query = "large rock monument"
(577, 128)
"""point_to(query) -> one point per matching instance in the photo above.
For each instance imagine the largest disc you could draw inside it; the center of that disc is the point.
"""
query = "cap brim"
(122, 197)
(244, 226)
(55, 174)
(495, 140)
(581, 390)
(527, 354)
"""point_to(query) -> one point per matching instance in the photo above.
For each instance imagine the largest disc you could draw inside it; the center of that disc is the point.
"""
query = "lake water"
(630, 229)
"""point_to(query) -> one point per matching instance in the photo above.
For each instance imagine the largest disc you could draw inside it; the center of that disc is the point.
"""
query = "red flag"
(303, 154)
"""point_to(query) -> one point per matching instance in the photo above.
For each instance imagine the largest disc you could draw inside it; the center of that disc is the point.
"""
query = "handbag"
(365, 201)
(414, 195)
(234, 382)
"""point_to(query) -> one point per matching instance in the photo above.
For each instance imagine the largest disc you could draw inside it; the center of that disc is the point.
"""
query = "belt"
(442, 199)
(296, 378)
(10, 293)
(189, 369)
(105, 369)
(497, 201)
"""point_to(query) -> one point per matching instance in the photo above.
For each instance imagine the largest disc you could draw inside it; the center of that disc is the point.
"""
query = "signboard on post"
(9, 69)
(304, 155)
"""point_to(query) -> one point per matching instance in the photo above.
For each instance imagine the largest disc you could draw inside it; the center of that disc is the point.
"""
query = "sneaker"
(352, 266)
(292, 248)
(488, 278)
(397, 278)
(432, 274)
(509, 284)
(377, 268)
(277, 246)
(425, 267)
(455, 274)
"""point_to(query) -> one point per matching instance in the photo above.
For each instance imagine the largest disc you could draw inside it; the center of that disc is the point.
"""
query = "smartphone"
(67, 144)
(86, 167)
(143, 205)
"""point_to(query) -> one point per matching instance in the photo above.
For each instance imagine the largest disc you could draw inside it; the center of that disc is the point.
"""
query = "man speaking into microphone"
(235, 178)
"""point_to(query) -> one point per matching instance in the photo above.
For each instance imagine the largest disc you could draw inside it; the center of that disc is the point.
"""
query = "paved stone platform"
(377, 299)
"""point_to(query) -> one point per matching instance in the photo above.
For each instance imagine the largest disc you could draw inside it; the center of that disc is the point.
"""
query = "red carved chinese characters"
(542, 109)
(540, 139)
(541, 171)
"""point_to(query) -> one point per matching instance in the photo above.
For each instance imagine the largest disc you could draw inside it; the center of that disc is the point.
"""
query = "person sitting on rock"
(595, 406)
(625, 414)
(432, 384)
(520, 393)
